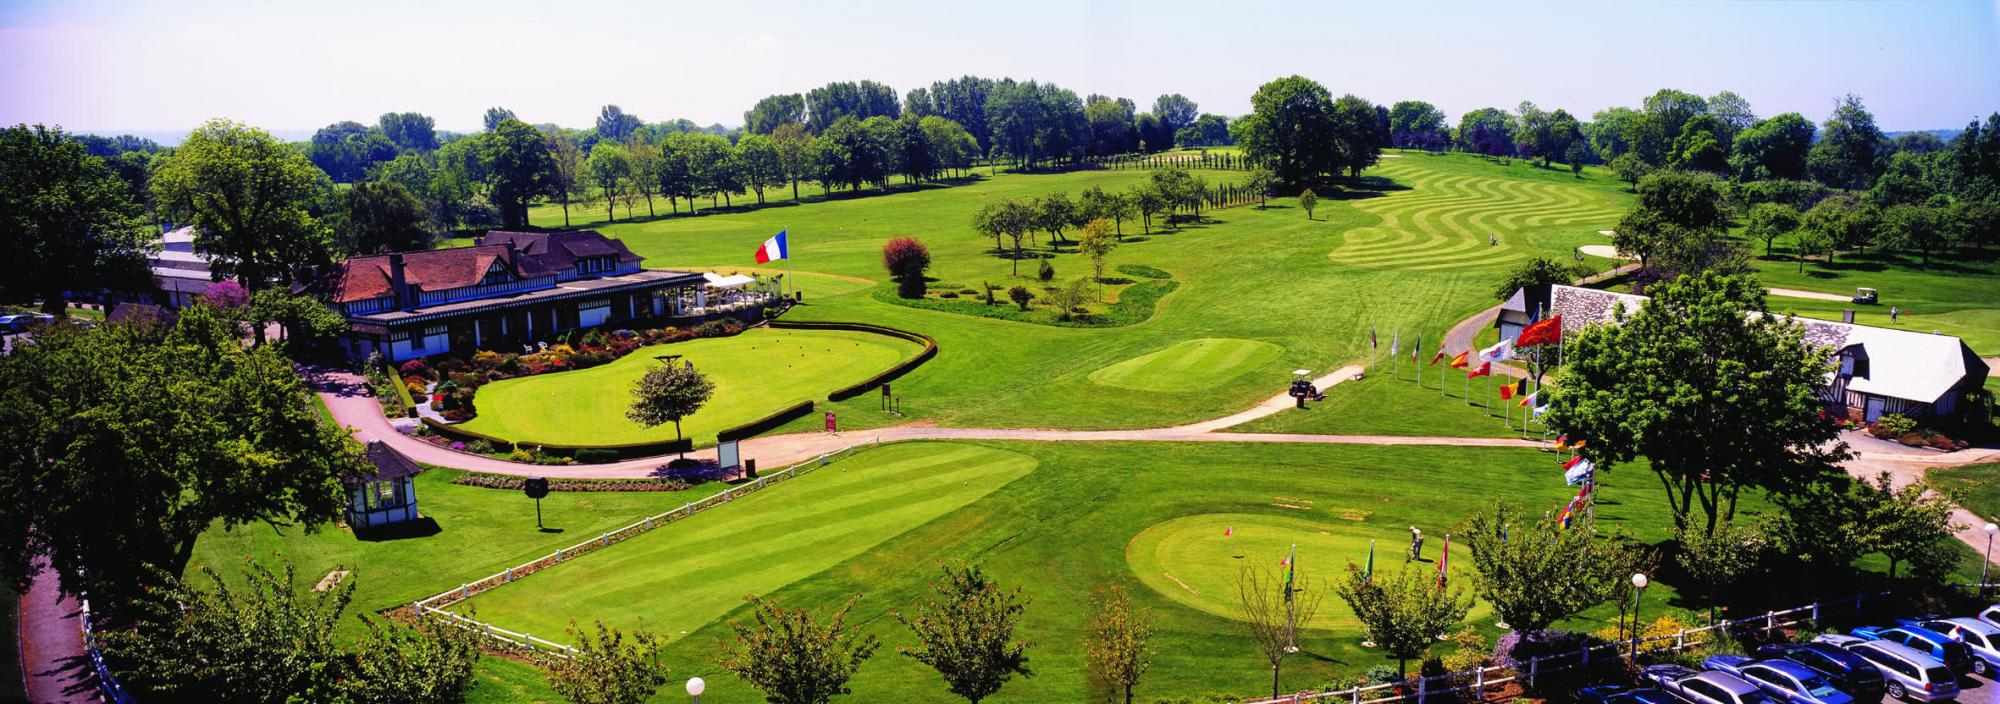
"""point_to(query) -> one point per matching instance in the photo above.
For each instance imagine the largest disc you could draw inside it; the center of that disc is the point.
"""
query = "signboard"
(727, 455)
(830, 425)
(535, 487)
(885, 390)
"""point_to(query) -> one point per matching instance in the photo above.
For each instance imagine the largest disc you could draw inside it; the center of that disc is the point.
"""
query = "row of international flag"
(1541, 332)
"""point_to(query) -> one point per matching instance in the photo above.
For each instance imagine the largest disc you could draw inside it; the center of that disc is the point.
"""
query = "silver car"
(1982, 637)
(1711, 687)
(1909, 675)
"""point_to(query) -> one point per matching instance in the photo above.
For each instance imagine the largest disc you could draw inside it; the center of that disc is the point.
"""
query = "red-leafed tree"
(906, 258)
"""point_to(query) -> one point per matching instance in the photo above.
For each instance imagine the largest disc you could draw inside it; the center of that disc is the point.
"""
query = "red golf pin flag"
(1228, 531)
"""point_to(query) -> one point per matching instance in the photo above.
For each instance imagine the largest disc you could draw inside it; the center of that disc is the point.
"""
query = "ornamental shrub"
(1047, 272)
(1896, 424)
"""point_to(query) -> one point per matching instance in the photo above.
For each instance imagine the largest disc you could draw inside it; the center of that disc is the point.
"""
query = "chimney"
(397, 285)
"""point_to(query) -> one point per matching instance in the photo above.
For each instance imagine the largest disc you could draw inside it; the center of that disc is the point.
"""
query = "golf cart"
(1864, 296)
(1302, 387)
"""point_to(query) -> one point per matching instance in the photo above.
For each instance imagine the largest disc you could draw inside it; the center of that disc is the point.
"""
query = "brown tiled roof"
(560, 250)
(362, 278)
(388, 463)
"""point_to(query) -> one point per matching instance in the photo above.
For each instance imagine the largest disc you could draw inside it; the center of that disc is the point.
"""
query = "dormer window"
(592, 265)
(497, 274)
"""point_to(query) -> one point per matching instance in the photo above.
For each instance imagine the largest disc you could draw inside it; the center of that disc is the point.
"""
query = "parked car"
(1704, 687)
(1783, 679)
(1906, 673)
(1846, 671)
(1954, 654)
(1622, 694)
(1982, 637)
(1990, 614)
(14, 323)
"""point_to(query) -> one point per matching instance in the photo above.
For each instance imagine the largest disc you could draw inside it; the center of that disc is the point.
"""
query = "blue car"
(1948, 650)
(1846, 671)
(1622, 694)
(1982, 637)
(1784, 680)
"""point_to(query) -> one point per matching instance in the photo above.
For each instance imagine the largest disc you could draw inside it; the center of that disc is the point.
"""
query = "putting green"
(1191, 561)
(755, 374)
(1189, 365)
(694, 572)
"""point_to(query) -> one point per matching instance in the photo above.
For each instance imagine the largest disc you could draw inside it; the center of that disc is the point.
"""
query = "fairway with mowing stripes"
(1443, 222)
(683, 576)
(1189, 365)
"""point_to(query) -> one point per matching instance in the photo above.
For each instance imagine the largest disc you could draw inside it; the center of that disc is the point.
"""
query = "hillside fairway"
(677, 579)
(1264, 274)
(1448, 217)
(755, 373)
(1189, 365)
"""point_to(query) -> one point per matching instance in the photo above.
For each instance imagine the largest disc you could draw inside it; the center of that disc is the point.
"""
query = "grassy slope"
(755, 373)
(1954, 295)
(1267, 275)
(1381, 404)
(1064, 528)
(1978, 486)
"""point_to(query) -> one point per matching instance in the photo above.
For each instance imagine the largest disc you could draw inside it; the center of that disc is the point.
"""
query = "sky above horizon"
(134, 65)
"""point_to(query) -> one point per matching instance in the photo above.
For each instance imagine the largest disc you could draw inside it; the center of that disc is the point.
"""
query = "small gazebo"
(386, 498)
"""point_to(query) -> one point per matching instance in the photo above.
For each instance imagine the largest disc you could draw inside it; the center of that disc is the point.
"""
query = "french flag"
(773, 249)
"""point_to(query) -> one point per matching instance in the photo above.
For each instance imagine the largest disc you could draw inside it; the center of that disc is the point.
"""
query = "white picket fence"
(1480, 680)
(434, 606)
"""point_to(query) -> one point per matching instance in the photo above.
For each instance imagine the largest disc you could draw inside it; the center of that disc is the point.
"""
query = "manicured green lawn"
(1188, 365)
(1268, 275)
(1978, 487)
(1954, 294)
(708, 563)
(755, 373)
(1383, 404)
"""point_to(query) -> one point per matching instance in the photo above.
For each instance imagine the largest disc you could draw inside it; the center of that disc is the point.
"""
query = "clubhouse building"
(1881, 370)
(515, 288)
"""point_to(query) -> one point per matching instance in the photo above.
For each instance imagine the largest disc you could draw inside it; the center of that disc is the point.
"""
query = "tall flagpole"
(789, 286)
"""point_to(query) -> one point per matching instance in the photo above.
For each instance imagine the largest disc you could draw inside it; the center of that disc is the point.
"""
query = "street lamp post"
(1638, 594)
(695, 687)
(1986, 568)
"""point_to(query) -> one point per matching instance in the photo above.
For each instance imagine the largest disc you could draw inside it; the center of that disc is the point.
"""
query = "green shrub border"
(1135, 305)
(794, 411)
(869, 384)
(619, 452)
(402, 390)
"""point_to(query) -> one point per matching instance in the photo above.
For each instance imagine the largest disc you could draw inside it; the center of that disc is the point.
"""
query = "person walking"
(1894, 313)
(1416, 545)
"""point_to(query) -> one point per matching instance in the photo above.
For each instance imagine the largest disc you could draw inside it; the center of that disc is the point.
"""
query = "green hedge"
(794, 411)
(890, 374)
(402, 390)
(1135, 305)
(612, 452)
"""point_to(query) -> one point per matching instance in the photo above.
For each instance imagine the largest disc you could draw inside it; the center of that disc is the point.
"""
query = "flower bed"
(496, 481)
(1906, 430)
(453, 382)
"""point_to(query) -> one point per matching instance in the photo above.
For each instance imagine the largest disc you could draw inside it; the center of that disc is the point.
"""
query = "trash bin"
(750, 468)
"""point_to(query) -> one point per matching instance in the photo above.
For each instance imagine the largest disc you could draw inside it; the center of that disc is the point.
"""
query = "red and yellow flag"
(1460, 361)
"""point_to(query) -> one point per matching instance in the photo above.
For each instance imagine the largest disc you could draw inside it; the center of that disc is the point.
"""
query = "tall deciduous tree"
(81, 406)
(1910, 525)
(496, 115)
(381, 217)
(67, 222)
(1096, 242)
(1680, 223)
(615, 125)
(1293, 128)
(1846, 155)
(1011, 218)
(606, 669)
(1488, 131)
(1175, 111)
(1769, 221)
(643, 159)
(794, 148)
(1536, 572)
(1116, 643)
(965, 631)
(610, 172)
(1359, 136)
(1773, 148)
(250, 199)
(1415, 124)
(668, 393)
(794, 656)
(1718, 559)
(773, 111)
(760, 163)
(1271, 610)
(1403, 612)
(906, 258)
(1537, 272)
(518, 168)
(409, 130)
(1718, 395)
(567, 162)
